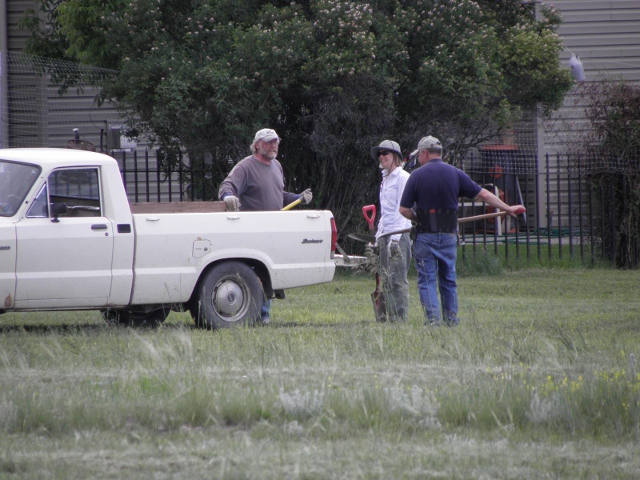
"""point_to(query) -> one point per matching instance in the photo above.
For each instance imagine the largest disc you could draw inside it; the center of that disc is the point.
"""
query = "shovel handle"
(292, 204)
(486, 216)
(369, 214)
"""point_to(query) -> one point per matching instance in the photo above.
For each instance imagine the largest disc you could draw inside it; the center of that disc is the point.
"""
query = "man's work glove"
(305, 197)
(232, 203)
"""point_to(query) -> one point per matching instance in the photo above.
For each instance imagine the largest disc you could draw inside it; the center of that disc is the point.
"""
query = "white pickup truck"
(69, 240)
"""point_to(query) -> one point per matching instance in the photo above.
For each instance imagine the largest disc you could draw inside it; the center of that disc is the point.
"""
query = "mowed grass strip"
(542, 369)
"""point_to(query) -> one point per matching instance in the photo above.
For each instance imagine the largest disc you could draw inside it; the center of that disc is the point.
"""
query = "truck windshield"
(16, 179)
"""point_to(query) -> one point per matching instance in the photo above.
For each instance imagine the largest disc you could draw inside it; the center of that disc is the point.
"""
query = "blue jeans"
(435, 255)
(265, 309)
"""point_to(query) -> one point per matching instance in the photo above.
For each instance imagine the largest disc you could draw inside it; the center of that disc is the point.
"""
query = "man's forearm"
(487, 197)
(408, 213)
(225, 189)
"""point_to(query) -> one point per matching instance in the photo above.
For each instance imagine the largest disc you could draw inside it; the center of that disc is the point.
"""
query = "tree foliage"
(332, 77)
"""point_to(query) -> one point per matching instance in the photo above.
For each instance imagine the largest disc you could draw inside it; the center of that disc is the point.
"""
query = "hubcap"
(229, 300)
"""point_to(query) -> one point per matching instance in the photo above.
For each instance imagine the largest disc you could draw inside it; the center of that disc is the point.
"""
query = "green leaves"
(333, 77)
(530, 67)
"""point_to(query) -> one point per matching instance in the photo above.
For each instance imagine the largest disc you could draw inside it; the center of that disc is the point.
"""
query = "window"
(77, 189)
(40, 206)
(16, 179)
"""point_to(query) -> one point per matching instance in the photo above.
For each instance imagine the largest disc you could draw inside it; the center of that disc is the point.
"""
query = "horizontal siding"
(38, 115)
(596, 24)
(605, 35)
(17, 37)
(610, 7)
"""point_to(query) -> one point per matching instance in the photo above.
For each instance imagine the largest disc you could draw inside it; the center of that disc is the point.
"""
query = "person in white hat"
(256, 183)
(394, 251)
(430, 198)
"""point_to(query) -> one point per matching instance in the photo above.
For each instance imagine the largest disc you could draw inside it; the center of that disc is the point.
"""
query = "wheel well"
(258, 267)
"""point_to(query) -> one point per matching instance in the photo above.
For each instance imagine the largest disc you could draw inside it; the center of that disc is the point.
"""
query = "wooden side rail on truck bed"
(178, 207)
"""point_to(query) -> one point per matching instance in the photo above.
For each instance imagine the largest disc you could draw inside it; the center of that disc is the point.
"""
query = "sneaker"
(433, 323)
(265, 320)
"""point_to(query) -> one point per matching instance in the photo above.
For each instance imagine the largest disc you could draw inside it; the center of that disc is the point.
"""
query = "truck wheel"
(135, 319)
(230, 294)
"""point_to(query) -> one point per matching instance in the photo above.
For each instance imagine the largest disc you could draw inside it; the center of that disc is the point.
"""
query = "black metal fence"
(568, 217)
(147, 180)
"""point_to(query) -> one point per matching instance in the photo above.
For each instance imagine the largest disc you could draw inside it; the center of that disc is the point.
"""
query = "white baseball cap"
(266, 135)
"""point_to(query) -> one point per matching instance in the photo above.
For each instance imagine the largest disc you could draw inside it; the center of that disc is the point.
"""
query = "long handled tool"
(368, 238)
(295, 203)
(377, 297)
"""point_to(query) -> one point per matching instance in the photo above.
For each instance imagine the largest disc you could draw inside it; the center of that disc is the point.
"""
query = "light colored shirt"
(391, 190)
(258, 186)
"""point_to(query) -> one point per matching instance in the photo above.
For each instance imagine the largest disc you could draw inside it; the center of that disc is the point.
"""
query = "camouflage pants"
(393, 265)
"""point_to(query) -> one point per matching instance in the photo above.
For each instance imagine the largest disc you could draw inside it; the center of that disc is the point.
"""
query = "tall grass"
(540, 354)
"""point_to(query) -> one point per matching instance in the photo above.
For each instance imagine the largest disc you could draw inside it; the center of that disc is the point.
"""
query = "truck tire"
(229, 295)
(133, 318)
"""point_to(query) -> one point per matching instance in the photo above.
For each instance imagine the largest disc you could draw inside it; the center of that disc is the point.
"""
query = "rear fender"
(261, 271)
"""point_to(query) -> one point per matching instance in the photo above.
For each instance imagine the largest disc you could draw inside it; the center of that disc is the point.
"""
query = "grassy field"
(540, 380)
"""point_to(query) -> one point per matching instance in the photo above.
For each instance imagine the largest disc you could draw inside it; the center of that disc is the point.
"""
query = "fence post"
(180, 178)
(538, 213)
(158, 178)
(612, 220)
(548, 180)
(558, 179)
(124, 170)
(135, 174)
(570, 202)
(580, 209)
(146, 176)
(593, 251)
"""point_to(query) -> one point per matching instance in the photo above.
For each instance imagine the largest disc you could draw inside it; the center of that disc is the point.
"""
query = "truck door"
(7, 264)
(65, 244)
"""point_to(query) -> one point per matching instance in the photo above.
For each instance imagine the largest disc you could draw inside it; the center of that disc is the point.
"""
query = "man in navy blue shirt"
(430, 199)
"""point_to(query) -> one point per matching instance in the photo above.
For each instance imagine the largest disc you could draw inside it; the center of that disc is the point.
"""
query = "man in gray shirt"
(256, 183)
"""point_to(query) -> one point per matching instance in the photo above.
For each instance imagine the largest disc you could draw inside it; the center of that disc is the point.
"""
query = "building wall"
(605, 35)
(38, 113)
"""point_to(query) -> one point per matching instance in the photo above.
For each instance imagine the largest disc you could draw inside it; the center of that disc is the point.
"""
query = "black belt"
(438, 220)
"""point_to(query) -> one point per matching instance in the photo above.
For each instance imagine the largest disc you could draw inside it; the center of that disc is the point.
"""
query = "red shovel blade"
(369, 213)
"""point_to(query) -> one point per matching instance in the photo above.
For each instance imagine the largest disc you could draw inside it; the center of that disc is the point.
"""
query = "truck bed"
(177, 207)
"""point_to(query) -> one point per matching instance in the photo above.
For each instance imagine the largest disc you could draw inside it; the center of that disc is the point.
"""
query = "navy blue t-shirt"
(438, 185)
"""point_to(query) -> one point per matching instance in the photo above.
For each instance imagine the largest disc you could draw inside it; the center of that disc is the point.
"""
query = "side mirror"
(58, 209)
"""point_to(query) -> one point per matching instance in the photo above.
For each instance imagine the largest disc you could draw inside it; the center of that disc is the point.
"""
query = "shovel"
(377, 297)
